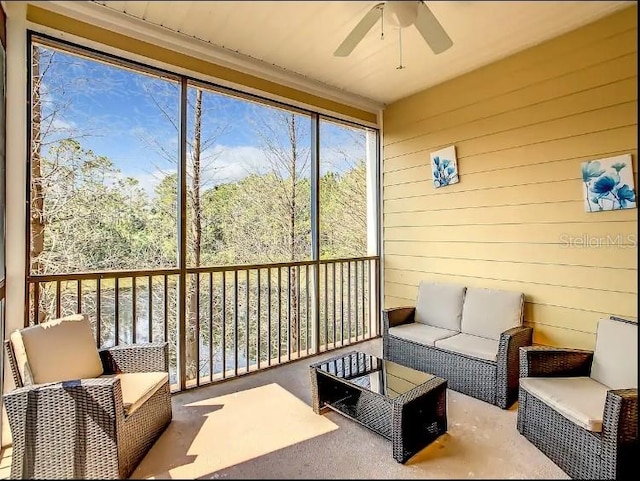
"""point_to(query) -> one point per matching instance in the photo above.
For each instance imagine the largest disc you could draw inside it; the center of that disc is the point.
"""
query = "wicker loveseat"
(580, 407)
(78, 412)
(468, 336)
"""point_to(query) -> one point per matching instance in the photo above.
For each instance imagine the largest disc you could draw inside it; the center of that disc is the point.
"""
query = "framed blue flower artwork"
(608, 184)
(444, 168)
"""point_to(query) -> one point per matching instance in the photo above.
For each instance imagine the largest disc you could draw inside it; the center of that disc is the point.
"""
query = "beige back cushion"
(440, 305)
(58, 350)
(489, 312)
(615, 359)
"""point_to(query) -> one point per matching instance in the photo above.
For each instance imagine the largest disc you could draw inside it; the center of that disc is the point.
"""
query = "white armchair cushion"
(137, 387)
(421, 333)
(472, 346)
(615, 358)
(490, 312)
(440, 305)
(579, 399)
(60, 350)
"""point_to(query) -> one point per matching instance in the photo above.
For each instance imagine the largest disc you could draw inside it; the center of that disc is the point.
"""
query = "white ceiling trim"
(124, 24)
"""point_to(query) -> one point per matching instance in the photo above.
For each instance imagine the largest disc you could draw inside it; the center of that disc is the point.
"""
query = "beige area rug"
(262, 426)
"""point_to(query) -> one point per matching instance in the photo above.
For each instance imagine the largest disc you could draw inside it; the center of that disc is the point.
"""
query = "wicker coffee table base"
(411, 421)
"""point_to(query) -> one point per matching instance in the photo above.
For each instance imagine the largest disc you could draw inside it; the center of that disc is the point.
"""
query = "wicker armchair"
(580, 408)
(94, 418)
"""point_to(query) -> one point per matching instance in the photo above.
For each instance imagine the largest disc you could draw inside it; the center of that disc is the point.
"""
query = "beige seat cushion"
(579, 399)
(615, 358)
(137, 387)
(472, 346)
(60, 350)
(490, 312)
(421, 333)
(440, 305)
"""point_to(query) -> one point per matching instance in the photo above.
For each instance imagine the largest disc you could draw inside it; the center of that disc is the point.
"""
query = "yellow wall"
(522, 127)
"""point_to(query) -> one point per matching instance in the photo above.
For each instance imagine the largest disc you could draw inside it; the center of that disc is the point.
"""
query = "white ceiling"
(300, 36)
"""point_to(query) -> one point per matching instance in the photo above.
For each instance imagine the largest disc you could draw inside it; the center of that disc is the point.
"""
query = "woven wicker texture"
(78, 429)
(582, 454)
(493, 382)
(150, 357)
(411, 421)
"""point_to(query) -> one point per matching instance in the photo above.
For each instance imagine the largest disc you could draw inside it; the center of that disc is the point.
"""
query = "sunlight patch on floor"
(219, 432)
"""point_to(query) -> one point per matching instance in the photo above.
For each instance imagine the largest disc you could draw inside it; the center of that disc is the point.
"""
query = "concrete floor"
(262, 426)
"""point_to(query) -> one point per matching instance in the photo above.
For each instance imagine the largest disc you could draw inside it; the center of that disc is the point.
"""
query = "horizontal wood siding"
(522, 127)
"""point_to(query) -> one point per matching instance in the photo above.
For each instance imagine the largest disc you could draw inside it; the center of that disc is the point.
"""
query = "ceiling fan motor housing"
(401, 13)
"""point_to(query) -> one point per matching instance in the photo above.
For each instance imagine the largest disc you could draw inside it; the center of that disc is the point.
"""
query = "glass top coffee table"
(408, 407)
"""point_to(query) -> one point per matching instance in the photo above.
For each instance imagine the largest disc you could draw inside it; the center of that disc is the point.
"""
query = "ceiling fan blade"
(360, 30)
(433, 33)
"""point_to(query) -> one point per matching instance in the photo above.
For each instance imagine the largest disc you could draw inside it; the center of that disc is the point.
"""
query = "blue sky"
(132, 119)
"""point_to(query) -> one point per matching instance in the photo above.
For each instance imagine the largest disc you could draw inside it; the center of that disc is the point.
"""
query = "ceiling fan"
(402, 14)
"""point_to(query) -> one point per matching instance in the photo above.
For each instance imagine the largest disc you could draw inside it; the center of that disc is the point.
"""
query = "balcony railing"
(231, 320)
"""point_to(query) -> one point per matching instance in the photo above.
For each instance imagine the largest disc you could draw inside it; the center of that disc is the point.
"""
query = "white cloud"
(148, 182)
(62, 125)
(224, 164)
(220, 164)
